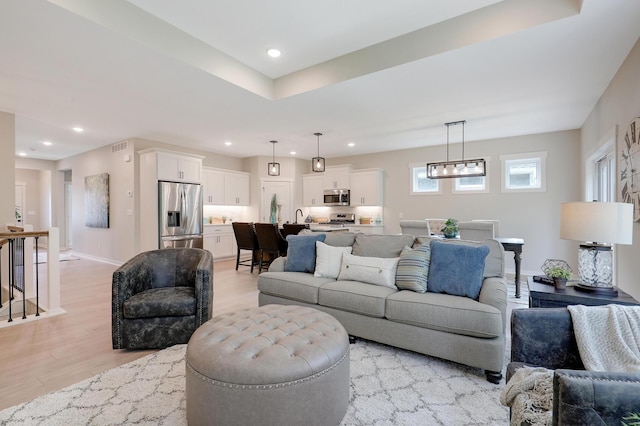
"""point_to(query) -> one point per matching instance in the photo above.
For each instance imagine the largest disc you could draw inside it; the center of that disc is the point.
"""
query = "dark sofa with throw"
(545, 338)
(160, 297)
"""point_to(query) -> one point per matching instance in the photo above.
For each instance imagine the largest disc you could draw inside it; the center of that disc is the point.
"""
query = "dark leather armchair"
(545, 338)
(246, 239)
(160, 297)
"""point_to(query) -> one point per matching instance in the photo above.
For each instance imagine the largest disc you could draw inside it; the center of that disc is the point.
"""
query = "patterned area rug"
(389, 386)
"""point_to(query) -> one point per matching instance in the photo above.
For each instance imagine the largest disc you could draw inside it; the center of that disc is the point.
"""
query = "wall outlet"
(400, 215)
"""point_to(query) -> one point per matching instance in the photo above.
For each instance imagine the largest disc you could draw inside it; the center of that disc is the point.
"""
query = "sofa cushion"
(329, 260)
(413, 268)
(371, 270)
(493, 264)
(336, 239)
(373, 245)
(301, 252)
(299, 286)
(161, 302)
(355, 296)
(453, 314)
(456, 269)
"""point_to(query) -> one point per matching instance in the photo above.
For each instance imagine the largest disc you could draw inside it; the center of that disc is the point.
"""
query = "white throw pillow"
(372, 270)
(329, 259)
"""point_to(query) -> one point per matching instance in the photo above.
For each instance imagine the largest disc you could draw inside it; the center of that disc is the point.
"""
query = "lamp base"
(603, 291)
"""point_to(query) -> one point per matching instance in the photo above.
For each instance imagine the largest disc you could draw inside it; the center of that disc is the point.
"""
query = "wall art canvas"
(96, 200)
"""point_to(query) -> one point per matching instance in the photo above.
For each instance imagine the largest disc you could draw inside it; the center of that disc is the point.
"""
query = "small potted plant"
(560, 275)
(450, 229)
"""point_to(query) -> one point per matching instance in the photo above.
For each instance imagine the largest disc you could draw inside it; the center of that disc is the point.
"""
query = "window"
(420, 183)
(524, 172)
(604, 182)
(473, 184)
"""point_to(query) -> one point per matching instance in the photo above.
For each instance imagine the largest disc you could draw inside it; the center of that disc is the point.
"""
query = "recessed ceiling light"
(351, 144)
(78, 129)
(47, 143)
(292, 153)
(274, 53)
(227, 143)
(22, 154)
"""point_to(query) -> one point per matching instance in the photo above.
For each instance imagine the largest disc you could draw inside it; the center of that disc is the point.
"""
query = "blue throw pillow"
(456, 269)
(301, 252)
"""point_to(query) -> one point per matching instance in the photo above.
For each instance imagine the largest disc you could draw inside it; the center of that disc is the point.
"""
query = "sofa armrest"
(544, 337)
(494, 293)
(278, 264)
(589, 397)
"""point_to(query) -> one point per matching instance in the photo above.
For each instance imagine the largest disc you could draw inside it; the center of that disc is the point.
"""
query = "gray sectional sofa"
(466, 330)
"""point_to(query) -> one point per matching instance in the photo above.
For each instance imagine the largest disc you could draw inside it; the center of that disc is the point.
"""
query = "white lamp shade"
(597, 222)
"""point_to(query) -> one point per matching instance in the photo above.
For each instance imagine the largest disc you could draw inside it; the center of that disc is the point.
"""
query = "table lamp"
(599, 225)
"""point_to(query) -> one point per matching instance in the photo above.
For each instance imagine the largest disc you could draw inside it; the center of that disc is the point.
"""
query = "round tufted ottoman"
(271, 365)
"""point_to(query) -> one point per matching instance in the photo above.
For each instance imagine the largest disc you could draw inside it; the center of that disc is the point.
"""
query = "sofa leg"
(493, 376)
(352, 339)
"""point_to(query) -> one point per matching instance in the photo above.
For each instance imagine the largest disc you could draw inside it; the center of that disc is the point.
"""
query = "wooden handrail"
(14, 235)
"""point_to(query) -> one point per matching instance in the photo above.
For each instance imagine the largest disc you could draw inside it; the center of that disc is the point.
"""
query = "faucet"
(301, 214)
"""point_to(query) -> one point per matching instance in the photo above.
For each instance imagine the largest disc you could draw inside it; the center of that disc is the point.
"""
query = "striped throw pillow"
(413, 269)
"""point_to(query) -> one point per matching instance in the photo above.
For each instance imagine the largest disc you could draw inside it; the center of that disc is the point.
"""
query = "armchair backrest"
(476, 231)
(415, 227)
(171, 267)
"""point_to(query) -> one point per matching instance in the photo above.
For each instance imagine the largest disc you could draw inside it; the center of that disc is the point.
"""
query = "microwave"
(336, 197)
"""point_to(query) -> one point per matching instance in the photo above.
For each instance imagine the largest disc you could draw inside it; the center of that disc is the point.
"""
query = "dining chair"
(246, 239)
(270, 243)
(292, 229)
(476, 231)
(417, 228)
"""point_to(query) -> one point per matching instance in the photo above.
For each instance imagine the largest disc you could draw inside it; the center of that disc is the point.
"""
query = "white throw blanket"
(608, 339)
(608, 336)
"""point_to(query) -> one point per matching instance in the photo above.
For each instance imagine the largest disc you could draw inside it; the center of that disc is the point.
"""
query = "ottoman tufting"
(270, 365)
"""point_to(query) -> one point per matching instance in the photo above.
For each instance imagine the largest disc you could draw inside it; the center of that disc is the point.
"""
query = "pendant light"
(317, 163)
(274, 168)
(459, 168)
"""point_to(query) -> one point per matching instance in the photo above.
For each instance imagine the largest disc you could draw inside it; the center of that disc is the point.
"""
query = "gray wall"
(532, 216)
(616, 108)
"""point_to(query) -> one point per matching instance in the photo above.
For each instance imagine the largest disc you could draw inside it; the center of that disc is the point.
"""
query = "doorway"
(282, 190)
(68, 215)
(21, 202)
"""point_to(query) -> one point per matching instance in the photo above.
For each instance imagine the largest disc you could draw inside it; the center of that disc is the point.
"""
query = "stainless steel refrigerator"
(180, 210)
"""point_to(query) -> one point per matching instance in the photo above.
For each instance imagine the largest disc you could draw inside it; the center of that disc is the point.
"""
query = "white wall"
(532, 216)
(619, 104)
(7, 165)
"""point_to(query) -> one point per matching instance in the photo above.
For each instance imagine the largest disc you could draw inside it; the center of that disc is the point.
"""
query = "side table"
(545, 296)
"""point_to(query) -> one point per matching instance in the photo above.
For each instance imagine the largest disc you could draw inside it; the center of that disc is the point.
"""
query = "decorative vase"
(450, 234)
(559, 283)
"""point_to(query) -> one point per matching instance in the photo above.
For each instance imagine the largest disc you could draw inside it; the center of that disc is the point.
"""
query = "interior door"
(21, 208)
(282, 189)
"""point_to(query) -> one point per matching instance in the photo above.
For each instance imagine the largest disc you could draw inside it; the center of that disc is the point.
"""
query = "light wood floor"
(50, 354)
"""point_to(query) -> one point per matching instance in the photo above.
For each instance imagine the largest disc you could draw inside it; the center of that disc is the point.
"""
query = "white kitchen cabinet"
(213, 186)
(337, 177)
(225, 187)
(220, 241)
(178, 167)
(313, 190)
(236, 188)
(367, 187)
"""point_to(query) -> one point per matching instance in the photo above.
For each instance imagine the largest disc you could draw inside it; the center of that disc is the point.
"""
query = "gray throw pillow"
(375, 245)
(413, 269)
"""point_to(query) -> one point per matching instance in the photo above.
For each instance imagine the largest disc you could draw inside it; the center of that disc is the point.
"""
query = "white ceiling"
(383, 75)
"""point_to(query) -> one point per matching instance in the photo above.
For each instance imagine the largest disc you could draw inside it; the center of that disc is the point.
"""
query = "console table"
(546, 296)
(514, 245)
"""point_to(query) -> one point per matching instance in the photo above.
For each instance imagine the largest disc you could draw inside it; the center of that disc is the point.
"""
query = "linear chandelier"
(459, 168)
(274, 168)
